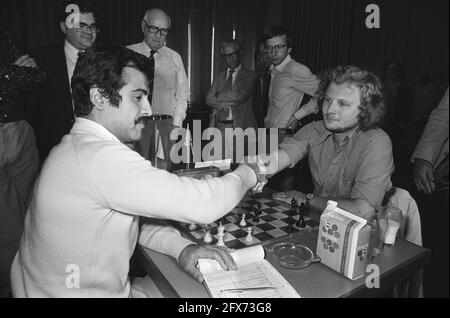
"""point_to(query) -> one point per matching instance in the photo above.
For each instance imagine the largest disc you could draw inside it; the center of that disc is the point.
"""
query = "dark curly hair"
(372, 104)
(101, 66)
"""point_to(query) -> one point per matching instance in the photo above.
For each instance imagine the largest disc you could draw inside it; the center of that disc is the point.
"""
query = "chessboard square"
(232, 227)
(248, 209)
(256, 230)
(239, 233)
(277, 233)
(266, 226)
(267, 218)
(272, 204)
(198, 235)
(263, 236)
(288, 230)
(280, 215)
(229, 219)
(235, 244)
(279, 223)
(270, 210)
(281, 208)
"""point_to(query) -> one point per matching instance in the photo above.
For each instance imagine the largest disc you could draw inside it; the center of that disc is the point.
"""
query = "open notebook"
(255, 277)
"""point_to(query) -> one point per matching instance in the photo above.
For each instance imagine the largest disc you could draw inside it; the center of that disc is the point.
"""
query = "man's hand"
(293, 123)
(25, 61)
(288, 195)
(190, 255)
(423, 176)
(259, 164)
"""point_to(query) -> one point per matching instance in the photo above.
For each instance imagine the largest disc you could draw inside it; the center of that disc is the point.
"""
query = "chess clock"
(198, 173)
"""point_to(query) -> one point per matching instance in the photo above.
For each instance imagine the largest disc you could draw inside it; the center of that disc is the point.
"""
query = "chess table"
(273, 223)
(396, 264)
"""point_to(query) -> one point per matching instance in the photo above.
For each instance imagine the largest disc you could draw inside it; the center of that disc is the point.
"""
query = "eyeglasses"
(230, 55)
(83, 27)
(154, 29)
(277, 48)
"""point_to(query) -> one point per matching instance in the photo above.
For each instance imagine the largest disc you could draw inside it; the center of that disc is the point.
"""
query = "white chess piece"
(208, 237)
(220, 235)
(249, 236)
(243, 222)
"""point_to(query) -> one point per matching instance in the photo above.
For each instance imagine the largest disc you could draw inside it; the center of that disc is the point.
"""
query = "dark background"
(325, 32)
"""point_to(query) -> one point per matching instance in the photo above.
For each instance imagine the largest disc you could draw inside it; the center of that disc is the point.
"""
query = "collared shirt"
(360, 167)
(170, 84)
(290, 81)
(85, 211)
(71, 59)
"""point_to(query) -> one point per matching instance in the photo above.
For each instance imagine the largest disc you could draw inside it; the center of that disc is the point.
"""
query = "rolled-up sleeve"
(375, 167)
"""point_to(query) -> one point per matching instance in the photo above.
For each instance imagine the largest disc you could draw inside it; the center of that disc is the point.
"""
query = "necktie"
(229, 82)
(225, 114)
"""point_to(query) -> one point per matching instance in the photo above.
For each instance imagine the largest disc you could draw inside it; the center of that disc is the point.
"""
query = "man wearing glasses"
(231, 96)
(53, 117)
(290, 81)
(170, 84)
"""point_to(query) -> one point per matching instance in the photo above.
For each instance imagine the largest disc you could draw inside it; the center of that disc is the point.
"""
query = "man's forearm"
(358, 207)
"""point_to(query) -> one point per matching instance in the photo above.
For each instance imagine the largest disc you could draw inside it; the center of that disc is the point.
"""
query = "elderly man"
(170, 85)
(349, 156)
(53, 116)
(82, 224)
(231, 96)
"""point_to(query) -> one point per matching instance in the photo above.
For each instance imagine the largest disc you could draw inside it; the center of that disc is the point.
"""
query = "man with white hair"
(170, 84)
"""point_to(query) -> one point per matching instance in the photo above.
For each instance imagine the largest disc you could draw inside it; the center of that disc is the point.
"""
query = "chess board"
(273, 223)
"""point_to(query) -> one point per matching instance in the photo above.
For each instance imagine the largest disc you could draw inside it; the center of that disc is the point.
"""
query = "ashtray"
(293, 255)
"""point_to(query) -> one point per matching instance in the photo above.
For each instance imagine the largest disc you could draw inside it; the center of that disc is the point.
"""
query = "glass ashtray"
(293, 255)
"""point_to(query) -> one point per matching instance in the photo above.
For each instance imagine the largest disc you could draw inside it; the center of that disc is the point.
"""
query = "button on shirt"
(170, 84)
(360, 167)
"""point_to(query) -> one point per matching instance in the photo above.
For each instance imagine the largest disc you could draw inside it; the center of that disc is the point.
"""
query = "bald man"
(170, 84)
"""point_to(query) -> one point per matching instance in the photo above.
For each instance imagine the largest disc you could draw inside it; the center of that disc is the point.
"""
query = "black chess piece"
(301, 216)
(293, 211)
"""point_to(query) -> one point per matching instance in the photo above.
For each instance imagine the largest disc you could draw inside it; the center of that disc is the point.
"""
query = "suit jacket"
(52, 111)
(240, 97)
(434, 146)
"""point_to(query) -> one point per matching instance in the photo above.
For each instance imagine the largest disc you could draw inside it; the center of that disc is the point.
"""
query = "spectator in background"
(19, 159)
(399, 100)
(170, 86)
(261, 96)
(431, 170)
(53, 116)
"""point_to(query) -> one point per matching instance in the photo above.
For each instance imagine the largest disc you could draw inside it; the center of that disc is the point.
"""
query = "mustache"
(143, 119)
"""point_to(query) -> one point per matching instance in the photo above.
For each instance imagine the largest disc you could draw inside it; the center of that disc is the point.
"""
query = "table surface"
(396, 263)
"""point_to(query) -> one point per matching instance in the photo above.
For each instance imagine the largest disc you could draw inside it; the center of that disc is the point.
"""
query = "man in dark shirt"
(19, 158)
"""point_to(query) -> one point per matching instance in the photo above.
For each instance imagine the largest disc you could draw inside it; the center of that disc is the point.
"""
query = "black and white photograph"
(236, 149)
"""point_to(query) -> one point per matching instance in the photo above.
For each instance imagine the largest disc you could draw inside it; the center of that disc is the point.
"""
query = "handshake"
(264, 167)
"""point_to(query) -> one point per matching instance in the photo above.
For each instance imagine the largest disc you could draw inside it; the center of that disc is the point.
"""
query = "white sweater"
(84, 215)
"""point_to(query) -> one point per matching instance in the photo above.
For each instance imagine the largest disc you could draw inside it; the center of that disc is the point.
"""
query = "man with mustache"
(83, 222)
(349, 156)
(53, 117)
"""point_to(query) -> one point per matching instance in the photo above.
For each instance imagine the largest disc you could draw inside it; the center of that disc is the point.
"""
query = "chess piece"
(243, 222)
(208, 237)
(249, 237)
(220, 235)
(292, 212)
(192, 227)
(258, 212)
(301, 216)
(256, 218)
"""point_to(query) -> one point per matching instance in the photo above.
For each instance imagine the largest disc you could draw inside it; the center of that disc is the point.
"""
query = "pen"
(246, 289)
